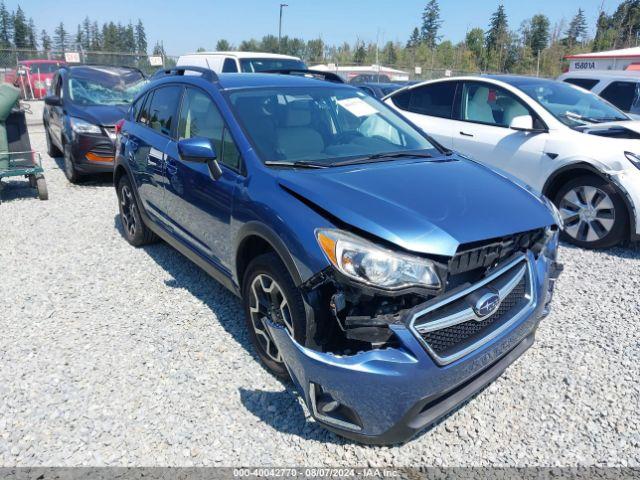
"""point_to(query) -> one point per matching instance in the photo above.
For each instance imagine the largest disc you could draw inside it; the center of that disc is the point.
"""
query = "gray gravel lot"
(111, 355)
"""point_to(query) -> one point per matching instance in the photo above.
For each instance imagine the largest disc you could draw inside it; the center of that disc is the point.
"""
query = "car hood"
(104, 115)
(424, 206)
(626, 130)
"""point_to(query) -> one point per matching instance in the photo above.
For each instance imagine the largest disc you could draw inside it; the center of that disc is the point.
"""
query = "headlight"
(633, 158)
(369, 263)
(80, 126)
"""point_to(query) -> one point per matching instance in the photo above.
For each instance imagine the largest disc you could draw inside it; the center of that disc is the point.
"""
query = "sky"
(185, 25)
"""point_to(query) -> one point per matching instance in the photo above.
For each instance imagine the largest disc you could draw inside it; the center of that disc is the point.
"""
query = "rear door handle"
(465, 134)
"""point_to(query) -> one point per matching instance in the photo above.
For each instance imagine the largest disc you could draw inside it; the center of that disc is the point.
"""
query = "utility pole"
(538, 66)
(282, 5)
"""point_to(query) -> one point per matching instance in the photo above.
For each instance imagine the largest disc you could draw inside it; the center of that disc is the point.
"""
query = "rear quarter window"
(435, 100)
(586, 83)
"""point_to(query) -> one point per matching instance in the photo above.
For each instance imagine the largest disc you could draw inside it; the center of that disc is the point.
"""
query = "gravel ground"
(112, 355)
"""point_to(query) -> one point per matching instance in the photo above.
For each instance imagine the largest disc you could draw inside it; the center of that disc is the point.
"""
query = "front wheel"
(41, 185)
(593, 212)
(69, 165)
(269, 294)
(134, 229)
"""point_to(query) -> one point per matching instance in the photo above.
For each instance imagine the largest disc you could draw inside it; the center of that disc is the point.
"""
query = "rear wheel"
(269, 294)
(593, 211)
(70, 166)
(135, 231)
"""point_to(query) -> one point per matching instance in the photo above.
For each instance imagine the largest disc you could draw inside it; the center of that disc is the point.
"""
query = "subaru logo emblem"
(487, 304)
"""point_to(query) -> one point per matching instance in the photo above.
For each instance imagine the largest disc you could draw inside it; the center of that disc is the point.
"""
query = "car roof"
(381, 84)
(245, 55)
(596, 74)
(232, 81)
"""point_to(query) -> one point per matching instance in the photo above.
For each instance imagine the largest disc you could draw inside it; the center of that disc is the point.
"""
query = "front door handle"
(465, 134)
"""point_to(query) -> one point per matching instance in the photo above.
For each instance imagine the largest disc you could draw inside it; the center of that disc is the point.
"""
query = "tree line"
(535, 46)
(16, 31)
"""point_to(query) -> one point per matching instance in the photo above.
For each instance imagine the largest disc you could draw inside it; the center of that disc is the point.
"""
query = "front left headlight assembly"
(81, 126)
(373, 265)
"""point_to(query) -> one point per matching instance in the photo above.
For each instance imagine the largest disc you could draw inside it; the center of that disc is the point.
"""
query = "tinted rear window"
(623, 95)
(252, 65)
(435, 100)
(587, 83)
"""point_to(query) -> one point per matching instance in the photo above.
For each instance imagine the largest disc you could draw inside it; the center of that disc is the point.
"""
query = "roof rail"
(318, 74)
(207, 73)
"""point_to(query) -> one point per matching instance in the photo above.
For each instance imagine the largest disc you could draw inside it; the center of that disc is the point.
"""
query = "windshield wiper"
(296, 164)
(580, 118)
(381, 157)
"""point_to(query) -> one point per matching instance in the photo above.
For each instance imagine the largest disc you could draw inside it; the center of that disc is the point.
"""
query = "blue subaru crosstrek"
(390, 278)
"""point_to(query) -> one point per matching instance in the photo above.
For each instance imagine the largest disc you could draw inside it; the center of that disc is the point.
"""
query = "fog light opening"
(330, 411)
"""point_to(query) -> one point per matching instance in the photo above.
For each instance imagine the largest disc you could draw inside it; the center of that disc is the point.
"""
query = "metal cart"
(27, 164)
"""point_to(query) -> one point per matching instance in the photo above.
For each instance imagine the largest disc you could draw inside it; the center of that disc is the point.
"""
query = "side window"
(586, 83)
(200, 117)
(229, 66)
(484, 103)
(137, 107)
(163, 109)
(435, 100)
(57, 85)
(144, 115)
(623, 95)
(401, 99)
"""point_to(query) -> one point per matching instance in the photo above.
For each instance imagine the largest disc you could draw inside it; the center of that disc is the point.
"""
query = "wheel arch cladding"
(256, 239)
(118, 173)
(561, 176)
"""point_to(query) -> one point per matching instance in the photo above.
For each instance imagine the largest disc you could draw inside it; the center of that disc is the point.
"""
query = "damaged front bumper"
(386, 396)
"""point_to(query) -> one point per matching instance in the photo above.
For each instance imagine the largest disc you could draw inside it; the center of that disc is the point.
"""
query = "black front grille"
(485, 254)
(446, 341)
(103, 149)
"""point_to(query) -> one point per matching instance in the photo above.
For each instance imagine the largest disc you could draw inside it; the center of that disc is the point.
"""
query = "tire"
(70, 166)
(293, 316)
(134, 229)
(52, 150)
(41, 185)
(593, 211)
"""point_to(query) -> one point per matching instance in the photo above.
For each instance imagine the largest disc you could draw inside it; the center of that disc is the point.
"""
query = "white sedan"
(565, 142)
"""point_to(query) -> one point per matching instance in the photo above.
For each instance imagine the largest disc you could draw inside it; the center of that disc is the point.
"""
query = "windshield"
(252, 65)
(572, 105)
(323, 125)
(104, 86)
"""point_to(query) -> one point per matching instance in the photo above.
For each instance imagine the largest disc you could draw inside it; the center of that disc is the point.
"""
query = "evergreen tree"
(6, 26)
(431, 24)
(577, 30)
(315, 50)
(359, 54)
(414, 39)
(32, 39)
(605, 33)
(128, 40)
(45, 40)
(390, 54)
(60, 38)
(539, 33)
(20, 29)
(96, 37)
(223, 46)
(141, 38)
(158, 49)
(498, 33)
(86, 33)
(79, 39)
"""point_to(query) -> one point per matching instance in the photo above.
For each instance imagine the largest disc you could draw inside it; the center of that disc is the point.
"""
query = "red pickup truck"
(33, 77)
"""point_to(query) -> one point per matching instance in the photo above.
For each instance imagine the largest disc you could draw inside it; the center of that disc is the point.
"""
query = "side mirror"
(522, 122)
(53, 101)
(200, 150)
